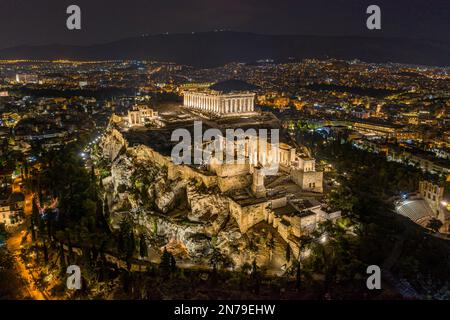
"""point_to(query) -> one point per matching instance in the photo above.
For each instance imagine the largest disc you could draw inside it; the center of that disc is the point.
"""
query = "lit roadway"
(14, 243)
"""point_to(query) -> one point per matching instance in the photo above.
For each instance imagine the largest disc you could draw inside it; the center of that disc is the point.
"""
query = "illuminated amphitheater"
(417, 210)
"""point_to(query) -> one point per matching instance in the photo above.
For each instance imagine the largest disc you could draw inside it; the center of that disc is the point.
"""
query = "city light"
(224, 165)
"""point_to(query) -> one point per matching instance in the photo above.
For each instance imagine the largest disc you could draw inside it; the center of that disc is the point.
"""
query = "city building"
(388, 130)
(438, 198)
(26, 78)
(11, 210)
(292, 218)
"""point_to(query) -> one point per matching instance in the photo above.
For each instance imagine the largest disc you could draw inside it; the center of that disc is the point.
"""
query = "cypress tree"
(143, 250)
(165, 264)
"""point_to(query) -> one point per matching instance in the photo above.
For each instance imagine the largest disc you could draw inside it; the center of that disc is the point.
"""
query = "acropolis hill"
(193, 210)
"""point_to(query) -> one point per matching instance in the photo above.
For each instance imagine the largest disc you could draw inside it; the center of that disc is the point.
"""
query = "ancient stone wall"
(234, 182)
(143, 153)
(229, 170)
(312, 180)
(247, 217)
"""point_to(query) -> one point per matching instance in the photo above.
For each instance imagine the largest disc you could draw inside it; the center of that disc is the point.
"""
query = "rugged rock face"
(120, 180)
(208, 208)
(168, 193)
(113, 144)
(176, 213)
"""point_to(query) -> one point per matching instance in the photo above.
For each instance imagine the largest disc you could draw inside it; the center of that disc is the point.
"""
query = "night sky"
(44, 21)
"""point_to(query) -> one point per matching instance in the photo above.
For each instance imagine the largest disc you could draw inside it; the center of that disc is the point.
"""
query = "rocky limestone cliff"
(178, 210)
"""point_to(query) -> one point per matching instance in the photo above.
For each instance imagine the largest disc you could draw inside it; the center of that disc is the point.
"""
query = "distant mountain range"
(209, 49)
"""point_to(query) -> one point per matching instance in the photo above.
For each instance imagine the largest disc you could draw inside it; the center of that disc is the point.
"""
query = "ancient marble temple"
(220, 103)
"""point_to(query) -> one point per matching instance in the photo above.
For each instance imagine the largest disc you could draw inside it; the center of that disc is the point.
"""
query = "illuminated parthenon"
(220, 103)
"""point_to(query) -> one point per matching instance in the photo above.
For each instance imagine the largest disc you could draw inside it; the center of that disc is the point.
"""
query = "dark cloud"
(43, 21)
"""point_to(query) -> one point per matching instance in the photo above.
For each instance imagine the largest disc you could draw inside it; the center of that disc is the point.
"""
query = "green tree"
(165, 266)
(127, 242)
(143, 250)
(288, 253)
(173, 264)
(434, 224)
(298, 274)
(33, 231)
(246, 268)
(62, 259)
(255, 277)
(270, 244)
(216, 259)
